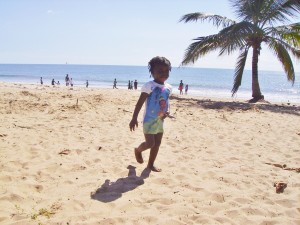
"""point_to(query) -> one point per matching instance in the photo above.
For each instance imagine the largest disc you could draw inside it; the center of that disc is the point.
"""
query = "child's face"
(160, 73)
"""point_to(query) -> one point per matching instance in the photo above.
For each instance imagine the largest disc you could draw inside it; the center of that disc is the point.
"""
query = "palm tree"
(256, 26)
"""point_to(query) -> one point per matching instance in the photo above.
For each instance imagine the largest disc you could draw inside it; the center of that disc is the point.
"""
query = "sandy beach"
(66, 157)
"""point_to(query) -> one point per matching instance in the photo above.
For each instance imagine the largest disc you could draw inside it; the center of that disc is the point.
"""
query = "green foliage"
(256, 26)
(239, 71)
(42, 212)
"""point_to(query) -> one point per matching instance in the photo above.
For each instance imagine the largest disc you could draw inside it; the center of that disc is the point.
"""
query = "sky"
(112, 32)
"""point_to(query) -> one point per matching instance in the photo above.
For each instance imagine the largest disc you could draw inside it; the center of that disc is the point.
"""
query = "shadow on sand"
(111, 191)
(244, 106)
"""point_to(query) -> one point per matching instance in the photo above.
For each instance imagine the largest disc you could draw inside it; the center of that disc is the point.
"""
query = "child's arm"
(137, 109)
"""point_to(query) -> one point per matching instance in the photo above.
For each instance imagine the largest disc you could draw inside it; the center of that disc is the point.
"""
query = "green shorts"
(153, 127)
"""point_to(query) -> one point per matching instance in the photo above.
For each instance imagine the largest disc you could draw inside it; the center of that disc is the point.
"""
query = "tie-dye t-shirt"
(157, 105)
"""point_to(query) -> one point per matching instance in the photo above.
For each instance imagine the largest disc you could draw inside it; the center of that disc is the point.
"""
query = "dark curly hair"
(158, 60)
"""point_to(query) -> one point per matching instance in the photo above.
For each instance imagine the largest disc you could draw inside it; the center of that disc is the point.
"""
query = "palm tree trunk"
(256, 94)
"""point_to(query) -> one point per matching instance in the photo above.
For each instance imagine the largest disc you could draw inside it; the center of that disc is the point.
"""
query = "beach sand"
(67, 157)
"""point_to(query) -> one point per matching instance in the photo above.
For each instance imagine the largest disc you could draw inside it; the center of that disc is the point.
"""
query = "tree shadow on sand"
(244, 106)
(111, 191)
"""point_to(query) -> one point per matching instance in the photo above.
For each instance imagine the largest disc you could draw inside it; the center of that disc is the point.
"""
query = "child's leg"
(154, 151)
(149, 143)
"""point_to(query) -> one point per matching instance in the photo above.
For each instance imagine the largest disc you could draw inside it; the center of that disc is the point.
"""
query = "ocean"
(203, 82)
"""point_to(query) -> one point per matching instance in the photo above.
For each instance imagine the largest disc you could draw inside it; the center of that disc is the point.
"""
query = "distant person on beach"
(186, 88)
(115, 84)
(67, 79)
(135, 84)
(87, 83)
(180, 88)
(156, 94)
(129, 85)
(58, 83)
(71, 82)
(41, 80)
(53, 82)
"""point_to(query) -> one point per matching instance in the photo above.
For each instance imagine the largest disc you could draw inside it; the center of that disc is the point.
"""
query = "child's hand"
(132, 124)
(164, 115)
(167, 114)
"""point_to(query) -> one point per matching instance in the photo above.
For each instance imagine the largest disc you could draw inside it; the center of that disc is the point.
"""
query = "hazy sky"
(110, 32)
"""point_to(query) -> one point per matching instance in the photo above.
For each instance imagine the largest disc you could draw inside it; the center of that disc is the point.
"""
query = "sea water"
(203, 82)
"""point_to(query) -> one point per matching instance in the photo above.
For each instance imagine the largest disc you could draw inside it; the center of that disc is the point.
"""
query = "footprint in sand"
(38, 188)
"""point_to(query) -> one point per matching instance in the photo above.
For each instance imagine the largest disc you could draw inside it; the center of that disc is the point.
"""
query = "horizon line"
(177, 67)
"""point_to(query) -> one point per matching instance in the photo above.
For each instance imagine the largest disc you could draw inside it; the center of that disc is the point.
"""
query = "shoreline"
(191, 94)
(209, 83)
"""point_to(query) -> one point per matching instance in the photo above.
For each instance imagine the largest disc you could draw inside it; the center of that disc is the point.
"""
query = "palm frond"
(239, 70)
(249, 10)
(292, 6)
(215, 19)
(289, 34)
(227, 40)
(293, 27)
(200, 47)
(266, 11)
(283, 56)
(292, 39)
(280, 11)
(235, 36)
(286, 45)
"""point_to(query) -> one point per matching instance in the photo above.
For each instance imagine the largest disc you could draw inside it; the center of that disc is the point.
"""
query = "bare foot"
(153, 168)
(138, 156)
